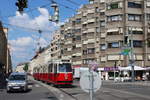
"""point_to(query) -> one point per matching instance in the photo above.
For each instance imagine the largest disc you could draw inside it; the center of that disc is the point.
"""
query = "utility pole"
(132, 55)
(115, 65)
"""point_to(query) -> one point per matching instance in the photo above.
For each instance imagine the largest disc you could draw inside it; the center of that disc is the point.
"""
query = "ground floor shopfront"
(140, 73)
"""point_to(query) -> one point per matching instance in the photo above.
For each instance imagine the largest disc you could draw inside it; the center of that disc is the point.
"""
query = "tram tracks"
(70, 94)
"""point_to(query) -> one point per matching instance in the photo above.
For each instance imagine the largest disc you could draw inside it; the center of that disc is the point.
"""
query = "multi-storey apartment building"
(104, 29)
(127, 24)
(55, 52)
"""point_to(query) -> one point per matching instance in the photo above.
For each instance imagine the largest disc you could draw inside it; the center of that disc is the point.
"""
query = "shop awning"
(129, 68)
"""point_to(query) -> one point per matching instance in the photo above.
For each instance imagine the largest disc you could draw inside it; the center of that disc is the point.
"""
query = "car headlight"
(11, 84)
(23, 84)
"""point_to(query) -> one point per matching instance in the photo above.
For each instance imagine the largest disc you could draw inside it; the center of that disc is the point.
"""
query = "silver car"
(17, 81)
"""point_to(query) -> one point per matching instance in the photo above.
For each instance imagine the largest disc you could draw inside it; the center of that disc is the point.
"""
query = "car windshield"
(65, 68)
(17, 77)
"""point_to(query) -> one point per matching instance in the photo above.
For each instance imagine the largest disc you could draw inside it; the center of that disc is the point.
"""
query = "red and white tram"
(57, 73)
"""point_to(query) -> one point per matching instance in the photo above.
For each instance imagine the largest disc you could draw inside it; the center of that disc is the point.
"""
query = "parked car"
(17, 81)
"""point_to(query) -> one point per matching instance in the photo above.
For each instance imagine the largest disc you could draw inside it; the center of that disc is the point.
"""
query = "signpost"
(90, 81)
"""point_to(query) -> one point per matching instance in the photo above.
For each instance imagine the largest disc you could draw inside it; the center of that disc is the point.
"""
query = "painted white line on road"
(61, 95)
(36, 85)
(29, 86)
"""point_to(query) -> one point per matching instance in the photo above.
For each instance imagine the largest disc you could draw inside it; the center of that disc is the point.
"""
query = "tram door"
(50, 70)
(55, 72)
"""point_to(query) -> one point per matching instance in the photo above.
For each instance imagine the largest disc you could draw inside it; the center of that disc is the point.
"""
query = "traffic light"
(21, 4)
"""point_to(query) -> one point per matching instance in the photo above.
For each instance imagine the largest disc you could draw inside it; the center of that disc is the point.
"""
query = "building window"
(78, 37)
(136, 32)
(73, 56)
(137, 43)
(134, 5)
(113, 45)
(103, 47)
(112, 6)
(62, 52)
(113, 33)
(115, 5)
(73, 47)
(102, 23)
(84, 52)
(148, 43)
(62, 31)
(148, 17)
(102, 13)
(134, 17)
(148, 4)
(78, 21)
(96, 9)
(97, 29)
(87, 61)
(77, 30)
(114, 18)
(73, 22)
(91, 50)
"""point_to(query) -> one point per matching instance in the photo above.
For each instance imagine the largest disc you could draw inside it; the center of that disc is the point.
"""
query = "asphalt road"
(130, 87)
(35, 92)
(112, 91)
(108, 91)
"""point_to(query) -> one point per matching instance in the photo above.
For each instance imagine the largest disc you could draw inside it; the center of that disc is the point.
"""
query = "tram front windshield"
(65, 68)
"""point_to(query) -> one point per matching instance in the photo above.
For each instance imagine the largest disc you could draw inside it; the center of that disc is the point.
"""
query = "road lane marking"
(36, 85)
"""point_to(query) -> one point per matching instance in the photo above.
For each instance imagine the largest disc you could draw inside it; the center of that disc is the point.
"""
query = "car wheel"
(8, 91)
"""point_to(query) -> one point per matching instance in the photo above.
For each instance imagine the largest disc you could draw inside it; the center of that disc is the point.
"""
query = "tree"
(25, 67)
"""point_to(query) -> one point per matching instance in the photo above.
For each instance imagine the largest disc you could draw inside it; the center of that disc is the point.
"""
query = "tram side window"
(65, 68)
(62, 68)
(55, 68)
(50, 68)
(68, 68)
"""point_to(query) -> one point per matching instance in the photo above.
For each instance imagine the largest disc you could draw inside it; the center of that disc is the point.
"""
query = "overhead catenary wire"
(73, 2)
(26, 28)
(45, 5)
(31, 9)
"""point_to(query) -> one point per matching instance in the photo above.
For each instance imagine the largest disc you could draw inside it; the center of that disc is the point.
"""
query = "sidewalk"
(59, 94)
(2, 81)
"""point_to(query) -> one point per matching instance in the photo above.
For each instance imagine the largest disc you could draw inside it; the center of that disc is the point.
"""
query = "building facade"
(103, 29)
(5, 57)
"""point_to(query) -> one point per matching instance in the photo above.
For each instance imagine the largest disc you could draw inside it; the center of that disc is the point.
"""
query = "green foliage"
(25, 67)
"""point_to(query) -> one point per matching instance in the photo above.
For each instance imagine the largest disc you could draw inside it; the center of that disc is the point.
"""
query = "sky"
(23, 35)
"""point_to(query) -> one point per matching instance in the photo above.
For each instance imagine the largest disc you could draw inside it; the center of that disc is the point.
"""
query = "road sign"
(125, 51)
(93, 65)
(85, 81)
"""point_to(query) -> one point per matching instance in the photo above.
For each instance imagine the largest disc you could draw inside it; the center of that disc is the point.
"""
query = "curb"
(59, 94)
